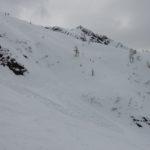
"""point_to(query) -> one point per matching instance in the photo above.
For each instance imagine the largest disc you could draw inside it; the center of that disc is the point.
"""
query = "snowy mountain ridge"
(87, 35)
(52, 98)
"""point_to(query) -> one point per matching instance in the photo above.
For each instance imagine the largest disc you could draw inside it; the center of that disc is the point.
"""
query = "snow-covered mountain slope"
(87, 35)
(60, 92)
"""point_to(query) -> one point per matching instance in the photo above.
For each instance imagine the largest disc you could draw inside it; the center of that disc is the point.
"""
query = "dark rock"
(141, 121)
(7, 60)
(95, 37)
(139, 125)
(85, 34)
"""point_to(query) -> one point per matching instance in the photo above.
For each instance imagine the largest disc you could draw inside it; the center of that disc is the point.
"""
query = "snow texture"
(99, 100)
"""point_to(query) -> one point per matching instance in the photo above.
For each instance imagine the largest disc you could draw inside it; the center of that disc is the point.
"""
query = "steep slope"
(98, 100)
(83, 34)
(87, 35)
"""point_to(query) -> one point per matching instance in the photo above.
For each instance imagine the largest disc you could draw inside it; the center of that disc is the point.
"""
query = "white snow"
(58, 104)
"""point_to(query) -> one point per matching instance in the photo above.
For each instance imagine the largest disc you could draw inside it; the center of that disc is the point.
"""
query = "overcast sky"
(123, 20)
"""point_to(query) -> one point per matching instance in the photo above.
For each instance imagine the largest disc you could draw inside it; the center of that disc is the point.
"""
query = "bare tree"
(132, 52)
(76, 50)
(93, 72)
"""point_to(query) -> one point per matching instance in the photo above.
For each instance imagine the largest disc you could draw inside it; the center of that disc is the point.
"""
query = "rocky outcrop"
(83, 34)
(93, 37)
(6, 60)
(141, 121)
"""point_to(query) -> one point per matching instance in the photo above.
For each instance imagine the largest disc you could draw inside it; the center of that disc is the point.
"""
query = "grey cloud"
(122, 20)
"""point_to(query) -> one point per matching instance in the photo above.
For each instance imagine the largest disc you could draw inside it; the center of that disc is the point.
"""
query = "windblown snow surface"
(99, 100)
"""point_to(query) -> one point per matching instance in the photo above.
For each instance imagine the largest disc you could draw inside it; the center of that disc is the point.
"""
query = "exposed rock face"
(6, 60)
(141, 121)
(83, 34)
(93, 37)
